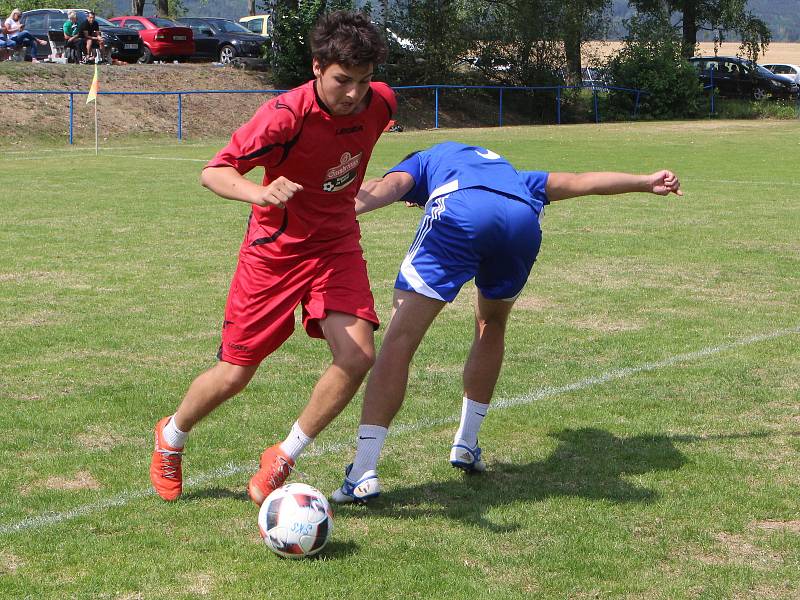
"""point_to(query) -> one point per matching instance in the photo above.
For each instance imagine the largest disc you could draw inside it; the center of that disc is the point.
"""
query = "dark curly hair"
(347, 38)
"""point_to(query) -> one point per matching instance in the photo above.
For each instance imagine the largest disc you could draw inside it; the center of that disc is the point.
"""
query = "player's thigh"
(493, 311)
(351, 339)
(412, 315)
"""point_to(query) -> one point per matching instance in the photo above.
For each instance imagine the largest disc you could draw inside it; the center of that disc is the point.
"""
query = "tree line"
(534, 43)
(511, 42)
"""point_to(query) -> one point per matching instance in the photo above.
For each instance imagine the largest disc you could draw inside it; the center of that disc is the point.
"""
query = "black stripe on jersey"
(264, 150)
(287, 146)
(271, 238)
(280, 104)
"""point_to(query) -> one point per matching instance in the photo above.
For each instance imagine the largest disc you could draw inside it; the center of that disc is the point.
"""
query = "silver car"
(787, 71)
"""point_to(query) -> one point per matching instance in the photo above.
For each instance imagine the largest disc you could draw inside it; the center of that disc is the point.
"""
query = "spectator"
(90, 31)
(72, 35)
(14, 28)
(6, 45)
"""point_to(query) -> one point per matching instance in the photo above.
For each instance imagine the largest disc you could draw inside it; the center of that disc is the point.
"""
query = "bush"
(651, 60)
(436, 39)
(290, 55)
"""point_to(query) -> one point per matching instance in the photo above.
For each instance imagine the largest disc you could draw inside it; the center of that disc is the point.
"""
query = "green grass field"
(644, 445)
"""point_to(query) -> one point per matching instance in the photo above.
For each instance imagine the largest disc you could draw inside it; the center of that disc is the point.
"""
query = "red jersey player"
(301, 246)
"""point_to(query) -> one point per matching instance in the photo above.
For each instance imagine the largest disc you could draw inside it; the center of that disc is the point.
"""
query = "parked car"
(258, 24)
(124, 44)
(741, 78)
(790, 72)
(163, 39)
(223, 40)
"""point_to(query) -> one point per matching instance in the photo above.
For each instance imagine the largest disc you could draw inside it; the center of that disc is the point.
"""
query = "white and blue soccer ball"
(295, 521)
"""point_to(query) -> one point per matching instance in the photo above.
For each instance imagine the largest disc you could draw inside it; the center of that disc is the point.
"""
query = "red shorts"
(259, 314)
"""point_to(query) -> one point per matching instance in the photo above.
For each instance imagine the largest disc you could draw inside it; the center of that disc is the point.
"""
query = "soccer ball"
(295, 521)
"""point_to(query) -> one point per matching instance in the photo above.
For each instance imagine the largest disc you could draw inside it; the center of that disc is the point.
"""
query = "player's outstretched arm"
(570, 185)
(229, 183)
(377, 193)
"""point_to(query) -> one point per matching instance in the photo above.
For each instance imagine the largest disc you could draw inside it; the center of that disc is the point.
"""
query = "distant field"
(778, 52)
(645, 442)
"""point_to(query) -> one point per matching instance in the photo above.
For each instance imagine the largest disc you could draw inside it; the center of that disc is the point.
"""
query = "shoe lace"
(280, 472)
(170, 463)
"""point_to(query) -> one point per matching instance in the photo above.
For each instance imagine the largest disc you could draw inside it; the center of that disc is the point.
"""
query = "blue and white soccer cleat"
(466, 458)
(361, 491)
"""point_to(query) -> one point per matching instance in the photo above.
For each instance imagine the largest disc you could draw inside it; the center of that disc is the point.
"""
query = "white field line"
(140, 157)
(124, 498)
(744, 182)
(91, 149)
(202, 160)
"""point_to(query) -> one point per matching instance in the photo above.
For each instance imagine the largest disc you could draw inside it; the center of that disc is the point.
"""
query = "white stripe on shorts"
(427, 224)
(416, 282)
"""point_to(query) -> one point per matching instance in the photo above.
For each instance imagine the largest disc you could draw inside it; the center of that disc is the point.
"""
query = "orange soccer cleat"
(274, 468)
(165, 466)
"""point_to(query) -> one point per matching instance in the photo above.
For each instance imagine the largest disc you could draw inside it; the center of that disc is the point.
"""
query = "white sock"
(296, 441)
(174, 436)
(368, 450)
(472, 415)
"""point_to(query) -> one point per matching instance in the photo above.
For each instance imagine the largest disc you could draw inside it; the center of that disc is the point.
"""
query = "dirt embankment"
(47, 115)
(203, 115)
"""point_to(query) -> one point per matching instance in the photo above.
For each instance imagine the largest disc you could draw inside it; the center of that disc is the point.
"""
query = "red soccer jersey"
(294, 135)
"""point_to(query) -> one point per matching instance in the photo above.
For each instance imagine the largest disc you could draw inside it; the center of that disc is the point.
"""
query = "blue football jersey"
(450, 166)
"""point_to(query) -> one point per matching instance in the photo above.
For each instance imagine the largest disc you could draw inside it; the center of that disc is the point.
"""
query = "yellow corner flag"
(93, 88)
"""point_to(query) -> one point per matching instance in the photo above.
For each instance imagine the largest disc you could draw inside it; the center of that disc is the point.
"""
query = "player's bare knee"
(357, 363)
(233, 378)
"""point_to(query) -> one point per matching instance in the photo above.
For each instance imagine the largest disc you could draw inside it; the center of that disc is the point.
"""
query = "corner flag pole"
(92, 97)
(96, 132)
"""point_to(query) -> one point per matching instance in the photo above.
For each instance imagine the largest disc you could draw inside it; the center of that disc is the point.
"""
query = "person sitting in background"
(72, 35)
(90, 32)
(6, 45)
(14, 28)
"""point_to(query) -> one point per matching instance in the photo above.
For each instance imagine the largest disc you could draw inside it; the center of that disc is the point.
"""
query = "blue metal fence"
(437, 89)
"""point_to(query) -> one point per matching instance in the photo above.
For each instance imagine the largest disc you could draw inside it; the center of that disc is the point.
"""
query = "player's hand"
(413, 205)
(278, 192)
(665, 182)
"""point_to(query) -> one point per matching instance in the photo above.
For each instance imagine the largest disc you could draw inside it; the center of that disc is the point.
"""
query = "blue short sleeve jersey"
(451, 166)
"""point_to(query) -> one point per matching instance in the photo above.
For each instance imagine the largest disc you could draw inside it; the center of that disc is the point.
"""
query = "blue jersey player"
(481, 221)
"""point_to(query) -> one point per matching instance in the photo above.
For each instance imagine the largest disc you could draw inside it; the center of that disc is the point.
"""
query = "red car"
(163, 39)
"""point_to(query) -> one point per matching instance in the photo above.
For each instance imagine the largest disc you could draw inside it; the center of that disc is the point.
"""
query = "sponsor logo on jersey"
(339, 177)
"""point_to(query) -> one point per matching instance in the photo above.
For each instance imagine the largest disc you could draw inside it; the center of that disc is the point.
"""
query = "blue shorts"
(472, 233)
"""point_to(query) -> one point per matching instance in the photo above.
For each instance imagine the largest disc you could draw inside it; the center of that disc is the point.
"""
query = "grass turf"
(645, 444)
